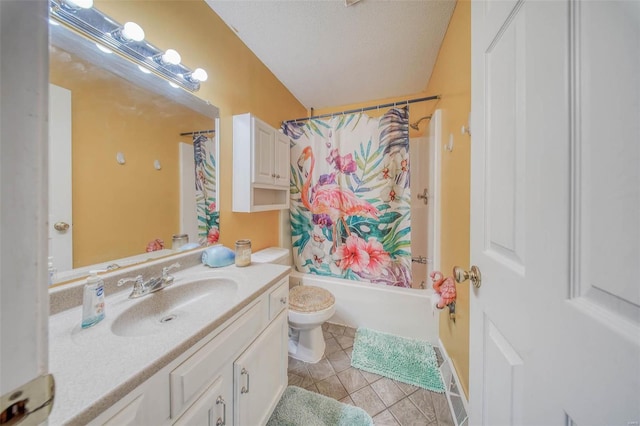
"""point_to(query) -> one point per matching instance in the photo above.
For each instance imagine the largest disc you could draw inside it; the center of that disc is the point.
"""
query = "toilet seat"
(309, 299)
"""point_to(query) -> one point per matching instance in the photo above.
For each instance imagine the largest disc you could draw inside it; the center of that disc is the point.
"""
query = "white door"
(433, 185)
(24, 299)
(555, 213)
(60, 239)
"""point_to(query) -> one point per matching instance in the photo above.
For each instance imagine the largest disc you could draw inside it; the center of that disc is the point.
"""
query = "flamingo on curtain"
(328, 198)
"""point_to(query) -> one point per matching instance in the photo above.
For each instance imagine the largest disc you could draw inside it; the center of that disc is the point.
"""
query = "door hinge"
(30, 404)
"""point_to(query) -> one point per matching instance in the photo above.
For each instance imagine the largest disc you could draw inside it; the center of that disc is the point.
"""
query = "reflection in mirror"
(132, 161)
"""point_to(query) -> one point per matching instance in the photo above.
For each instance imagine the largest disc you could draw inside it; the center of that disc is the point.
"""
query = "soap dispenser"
(93, 300)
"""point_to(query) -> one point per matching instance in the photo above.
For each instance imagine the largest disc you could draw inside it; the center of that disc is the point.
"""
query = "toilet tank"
(278, 255)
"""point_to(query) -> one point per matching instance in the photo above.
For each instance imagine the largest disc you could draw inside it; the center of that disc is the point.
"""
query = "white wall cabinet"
(260, 166)
(234, 376)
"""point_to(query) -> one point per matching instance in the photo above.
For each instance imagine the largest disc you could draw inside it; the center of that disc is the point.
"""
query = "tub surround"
(94, 368)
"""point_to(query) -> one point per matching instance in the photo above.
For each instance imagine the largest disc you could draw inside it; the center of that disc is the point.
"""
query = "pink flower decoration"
(344, 164)
(352, 254)
(155, 245)
(212, 207)
(214, 235)
(379, 259)
(362, 256)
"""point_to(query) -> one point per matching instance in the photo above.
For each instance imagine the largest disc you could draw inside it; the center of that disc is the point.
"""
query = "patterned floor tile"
(388, 391)
(320, 370)
(408, 414)
(350, 332)
(443, 412)
(332, 387)
(370, 377)
(339, 360)
(406, 388)
(422, 399)
(335, 329)
(345, 341)
(300, 381)
(385, 419)
(331, 347)
(352, 379)
(368, 400)
(347, 400)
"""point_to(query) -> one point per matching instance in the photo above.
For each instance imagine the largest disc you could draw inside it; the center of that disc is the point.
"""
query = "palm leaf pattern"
(365, 161)
(206, 197)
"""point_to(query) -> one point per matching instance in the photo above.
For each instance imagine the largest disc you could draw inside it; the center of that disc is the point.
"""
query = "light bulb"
(172, 84)
(199, 75)
(104, 49)
(171, 57)
(79, 4)
(143, 69)
(132, 32)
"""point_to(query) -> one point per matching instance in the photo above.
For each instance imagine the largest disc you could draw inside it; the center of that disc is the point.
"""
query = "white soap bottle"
(93, 300)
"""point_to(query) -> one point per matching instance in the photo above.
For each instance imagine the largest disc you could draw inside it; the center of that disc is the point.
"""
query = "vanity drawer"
(279, 298)
(192, 377)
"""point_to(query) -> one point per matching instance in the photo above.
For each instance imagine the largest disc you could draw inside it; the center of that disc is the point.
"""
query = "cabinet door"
(281, 160)
(263, 155)
(211, 408)
(260, 374)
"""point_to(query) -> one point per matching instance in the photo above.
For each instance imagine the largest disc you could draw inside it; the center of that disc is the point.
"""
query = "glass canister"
(179, 240)
(243, 252)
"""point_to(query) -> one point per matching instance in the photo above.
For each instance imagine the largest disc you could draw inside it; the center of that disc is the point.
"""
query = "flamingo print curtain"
(350, 197)
(206, 197)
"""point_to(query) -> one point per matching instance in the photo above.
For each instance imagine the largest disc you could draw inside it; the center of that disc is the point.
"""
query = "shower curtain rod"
(351, 111)
(198, 132)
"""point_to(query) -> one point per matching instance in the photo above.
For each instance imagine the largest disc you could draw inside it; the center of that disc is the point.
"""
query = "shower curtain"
(350, 197)
(206, 197)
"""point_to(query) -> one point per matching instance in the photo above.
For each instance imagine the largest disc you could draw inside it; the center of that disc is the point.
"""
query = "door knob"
(473, 275)
(61, 226)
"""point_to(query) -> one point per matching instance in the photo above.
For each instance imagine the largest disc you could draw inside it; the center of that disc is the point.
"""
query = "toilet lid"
(307, 298)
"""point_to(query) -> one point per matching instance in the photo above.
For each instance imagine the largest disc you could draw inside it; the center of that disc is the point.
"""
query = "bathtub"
(401, 311)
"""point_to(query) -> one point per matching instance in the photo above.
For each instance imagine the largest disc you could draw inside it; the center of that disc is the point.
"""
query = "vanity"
(211, 349)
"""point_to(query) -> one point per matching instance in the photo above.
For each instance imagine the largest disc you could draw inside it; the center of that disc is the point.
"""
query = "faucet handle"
(137, 281)
(166, 269)
(138, 285)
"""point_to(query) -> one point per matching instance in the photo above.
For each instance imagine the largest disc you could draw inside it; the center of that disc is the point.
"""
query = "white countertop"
(94, 368)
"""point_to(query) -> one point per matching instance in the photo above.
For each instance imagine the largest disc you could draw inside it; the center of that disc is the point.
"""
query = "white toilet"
(309, 308)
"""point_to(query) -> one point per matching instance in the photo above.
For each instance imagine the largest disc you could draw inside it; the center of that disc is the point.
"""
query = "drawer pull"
(245, 389)
(283, 300)
(222, 421)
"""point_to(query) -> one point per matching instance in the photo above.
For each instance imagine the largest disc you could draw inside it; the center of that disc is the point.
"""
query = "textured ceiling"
(327, 54)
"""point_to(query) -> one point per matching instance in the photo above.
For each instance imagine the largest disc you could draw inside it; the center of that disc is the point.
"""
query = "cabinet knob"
(273, 175)
(283, 300)
(278, 176)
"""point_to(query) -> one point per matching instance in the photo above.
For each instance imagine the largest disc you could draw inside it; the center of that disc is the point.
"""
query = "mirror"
(124, 174)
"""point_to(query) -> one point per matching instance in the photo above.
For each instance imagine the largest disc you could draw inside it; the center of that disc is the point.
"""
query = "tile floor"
(389, 402)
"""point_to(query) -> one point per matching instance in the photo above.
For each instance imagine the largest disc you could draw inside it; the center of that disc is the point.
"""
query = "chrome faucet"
(142, 287)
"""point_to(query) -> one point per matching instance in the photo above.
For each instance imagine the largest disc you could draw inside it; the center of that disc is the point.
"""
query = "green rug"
(399, 358)
(300, 407)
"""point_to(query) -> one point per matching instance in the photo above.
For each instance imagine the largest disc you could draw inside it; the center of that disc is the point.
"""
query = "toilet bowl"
(309, 308)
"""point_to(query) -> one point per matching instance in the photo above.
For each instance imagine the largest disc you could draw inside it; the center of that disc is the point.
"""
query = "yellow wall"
(118, 209)
(238, 83)
(451, 78)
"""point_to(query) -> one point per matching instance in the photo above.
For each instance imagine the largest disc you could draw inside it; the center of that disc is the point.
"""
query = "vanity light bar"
(100, 28)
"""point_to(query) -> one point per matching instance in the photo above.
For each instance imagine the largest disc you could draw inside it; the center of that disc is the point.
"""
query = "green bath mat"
(300, 407)
(406, 360)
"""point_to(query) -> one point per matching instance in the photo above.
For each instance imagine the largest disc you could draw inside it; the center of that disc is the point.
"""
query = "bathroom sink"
(171, 307)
